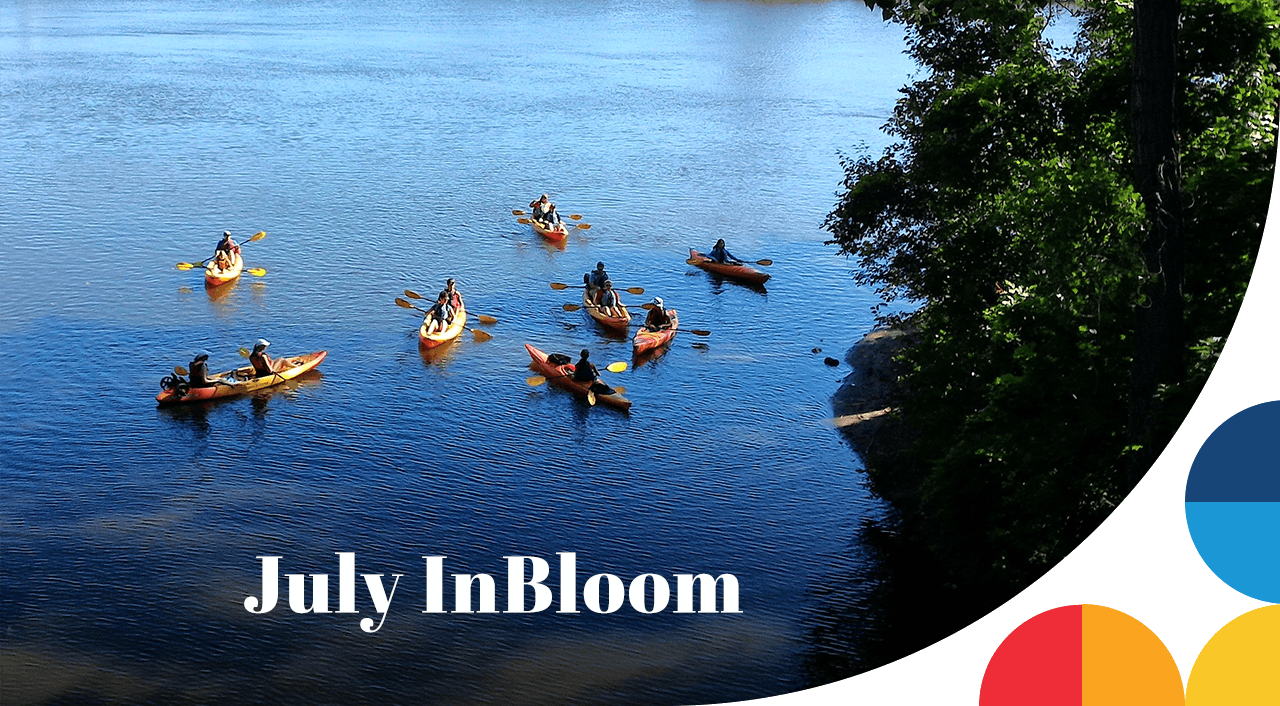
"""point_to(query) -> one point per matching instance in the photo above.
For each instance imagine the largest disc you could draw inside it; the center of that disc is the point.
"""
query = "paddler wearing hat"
(200, 371)
(263, 365)
(658, 318)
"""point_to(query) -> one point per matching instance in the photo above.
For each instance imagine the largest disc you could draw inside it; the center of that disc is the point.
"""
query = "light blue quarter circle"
(1240, 543)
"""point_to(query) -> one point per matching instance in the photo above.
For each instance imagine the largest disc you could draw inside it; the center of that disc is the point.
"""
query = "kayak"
(245, 382)
(557, 234)
(649, 340)
(214, 276)
(561, 375)
(742, 272)
(451, 332)
(617, 324)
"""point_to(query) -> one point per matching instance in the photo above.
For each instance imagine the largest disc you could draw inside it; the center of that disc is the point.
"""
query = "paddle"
(189, 265)
(558, 286)
(481, 336)
(762, 263)
(618, 367)
(179, 370)
(483, 319)
(572, 216)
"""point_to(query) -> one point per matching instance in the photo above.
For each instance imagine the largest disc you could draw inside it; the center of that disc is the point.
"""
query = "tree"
(1070, 301)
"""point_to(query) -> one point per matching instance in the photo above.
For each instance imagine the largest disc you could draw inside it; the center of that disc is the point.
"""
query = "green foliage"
(1008, 212)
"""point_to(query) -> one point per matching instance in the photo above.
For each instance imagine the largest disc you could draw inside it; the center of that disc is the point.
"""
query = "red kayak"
(742, 272)
(649, 340)
(562, 376)
(558, 234)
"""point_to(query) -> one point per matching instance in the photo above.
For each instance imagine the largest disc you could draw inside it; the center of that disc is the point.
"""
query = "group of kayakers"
(544, 212)
(227, 253)
(262, 363)
(601, 296)
(447, 307)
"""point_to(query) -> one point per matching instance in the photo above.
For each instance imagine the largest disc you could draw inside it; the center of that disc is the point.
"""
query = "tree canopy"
(1011, 214)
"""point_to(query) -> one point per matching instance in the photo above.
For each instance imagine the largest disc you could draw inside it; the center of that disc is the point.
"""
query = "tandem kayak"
(617, 324)
(442, 337)
(742, 272)
(649, 340)
(562, 375)
(556, 235)
(244, 380)
(214, 276)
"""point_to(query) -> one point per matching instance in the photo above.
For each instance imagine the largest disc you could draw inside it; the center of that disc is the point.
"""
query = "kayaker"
(551, 216)
(598, 277)
(439, 316)
(227, 251)
(584, 371)
(722, 256)
(658, 318)
(540, 208)
(200, 371)
(455, 297)
(610, 302)
(262, 363)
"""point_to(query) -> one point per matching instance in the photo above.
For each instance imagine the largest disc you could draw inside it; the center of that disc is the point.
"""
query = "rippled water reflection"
(382, 145)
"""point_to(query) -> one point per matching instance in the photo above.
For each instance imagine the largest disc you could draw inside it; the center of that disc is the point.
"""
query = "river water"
(382, 146)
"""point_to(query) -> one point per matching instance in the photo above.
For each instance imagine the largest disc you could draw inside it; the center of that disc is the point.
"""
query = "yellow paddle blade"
(620, 389)
(257, 271)
(764, 263)
(634, 290)
(692, 261)
(583, 226)
(616, 367)
(244, 352)
(575, 216)
(178, 369)
(591, 398)
(486, 319)
(412, 294)
(185, 265)
(534, 381)
(481, 336)
(257, 236)
(525, 221)
(517, 212)
(648, 306)
(699, 332)
(559, 286)
(571, 307)
(404, 304)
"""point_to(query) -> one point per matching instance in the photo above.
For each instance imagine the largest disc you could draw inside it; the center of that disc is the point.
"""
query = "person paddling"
(595, 281)
(439, 316)
(262, 363)
(584, 371)
(227, 251)
(721, 255)
(541, 208)
(610, 303)
(455, 297)
(200, 371)
(658, 318)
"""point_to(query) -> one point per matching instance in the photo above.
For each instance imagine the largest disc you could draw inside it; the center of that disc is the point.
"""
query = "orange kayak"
(649, 340)
(450, 333)
(742, 272)
(557, 234)
(243, 380)
(618, 324)
(214, 276)
(562, 376)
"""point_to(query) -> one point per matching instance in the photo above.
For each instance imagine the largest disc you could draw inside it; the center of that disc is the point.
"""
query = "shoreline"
(863, 402)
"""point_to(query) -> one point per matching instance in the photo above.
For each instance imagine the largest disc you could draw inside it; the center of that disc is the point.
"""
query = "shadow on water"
(892, 603)
(718, 283)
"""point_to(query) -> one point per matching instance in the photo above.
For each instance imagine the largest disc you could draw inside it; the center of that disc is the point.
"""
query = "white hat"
(263, 342)
(226, 233)
(657, 301)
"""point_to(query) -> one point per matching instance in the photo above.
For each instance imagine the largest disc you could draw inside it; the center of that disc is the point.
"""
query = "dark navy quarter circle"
(1240, 461)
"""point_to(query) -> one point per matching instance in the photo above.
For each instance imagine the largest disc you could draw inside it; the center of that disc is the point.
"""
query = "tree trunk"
(1159, 345)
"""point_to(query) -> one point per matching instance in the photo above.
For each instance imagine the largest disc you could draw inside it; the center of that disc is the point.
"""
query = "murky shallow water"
(382, 146)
